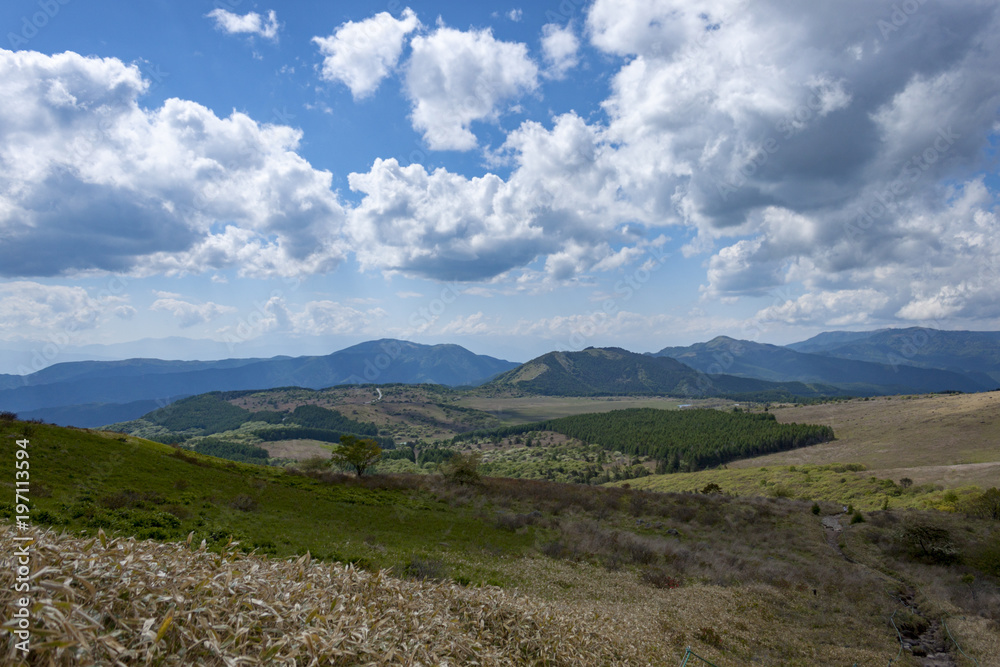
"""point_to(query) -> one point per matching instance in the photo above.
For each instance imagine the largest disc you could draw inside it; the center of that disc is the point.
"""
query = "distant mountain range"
(95, 393)
(887, 361)
(851, 372)
(614, 371)
(973, 353)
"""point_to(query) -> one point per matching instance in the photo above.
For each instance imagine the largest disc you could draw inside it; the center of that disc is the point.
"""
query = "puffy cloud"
(455, 78)
(824, 141)
(189, 314)
(93, 181)
(559, 48)
(251, 23)
(330, 317)
(313, 318)
(561, 202)
(832, 308)
(30, 310)
(471, 325)
(439, 224)
(360, 54)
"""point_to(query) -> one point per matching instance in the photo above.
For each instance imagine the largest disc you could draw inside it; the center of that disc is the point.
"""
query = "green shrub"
(243, 503)
(928, 542)
(463, 468)
(986, 559)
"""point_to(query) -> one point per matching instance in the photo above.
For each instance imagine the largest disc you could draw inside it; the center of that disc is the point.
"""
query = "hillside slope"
(606, 576)
(781, 364)
(614, 371)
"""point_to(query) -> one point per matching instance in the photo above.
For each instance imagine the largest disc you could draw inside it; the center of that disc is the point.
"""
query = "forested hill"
(614, 371)
(212, 413)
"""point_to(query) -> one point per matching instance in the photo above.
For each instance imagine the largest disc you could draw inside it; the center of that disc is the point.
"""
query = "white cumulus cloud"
(31, 310)
(189, 314)
(361, 54)
(251, 23)
(455, 78)
(559, 48)
(96, 182)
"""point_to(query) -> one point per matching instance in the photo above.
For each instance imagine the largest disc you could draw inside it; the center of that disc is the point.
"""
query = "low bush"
(243, 503)
(659, 577)
(425, 569)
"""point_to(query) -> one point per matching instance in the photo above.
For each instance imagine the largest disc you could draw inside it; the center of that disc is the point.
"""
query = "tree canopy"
(357, 453)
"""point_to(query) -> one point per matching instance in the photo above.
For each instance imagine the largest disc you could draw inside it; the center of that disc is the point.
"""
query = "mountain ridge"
(781, 364)
(135, 381)
(615, 371)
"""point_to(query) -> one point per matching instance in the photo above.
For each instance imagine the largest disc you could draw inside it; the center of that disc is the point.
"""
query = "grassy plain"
(952, 440)
(523, 409)
(831, 483)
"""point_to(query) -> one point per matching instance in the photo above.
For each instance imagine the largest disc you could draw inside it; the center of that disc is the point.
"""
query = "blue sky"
(245, 178)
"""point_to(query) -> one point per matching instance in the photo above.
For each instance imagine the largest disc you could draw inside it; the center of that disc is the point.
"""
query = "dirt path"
(928, 645)
(832, 528)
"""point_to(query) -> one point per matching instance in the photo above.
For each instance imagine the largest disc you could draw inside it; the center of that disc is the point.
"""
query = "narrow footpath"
(929, 647)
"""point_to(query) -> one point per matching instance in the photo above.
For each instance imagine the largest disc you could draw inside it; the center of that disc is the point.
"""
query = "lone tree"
(463, 468)
(356, 453)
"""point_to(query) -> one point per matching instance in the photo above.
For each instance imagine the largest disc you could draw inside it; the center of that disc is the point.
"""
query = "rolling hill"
(94, 393)
(783, 364)
(630, 576)
(616, 372)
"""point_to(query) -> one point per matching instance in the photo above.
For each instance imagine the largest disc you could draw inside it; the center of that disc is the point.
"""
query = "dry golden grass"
(938, 439)
(520, 409)
(298, 450)
(755, 624)
(104, 601)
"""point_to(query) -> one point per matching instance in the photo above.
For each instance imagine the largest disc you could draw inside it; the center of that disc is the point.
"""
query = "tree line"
(679, 439)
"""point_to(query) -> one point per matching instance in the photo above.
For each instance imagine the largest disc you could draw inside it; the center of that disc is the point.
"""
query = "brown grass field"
(952, 440)
(522, 409)
(297, 450)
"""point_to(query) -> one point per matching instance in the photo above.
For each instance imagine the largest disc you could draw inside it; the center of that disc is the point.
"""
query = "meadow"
(951, 440)
(642, 575)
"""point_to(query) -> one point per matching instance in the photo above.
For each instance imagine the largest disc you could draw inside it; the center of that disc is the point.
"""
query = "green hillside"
(191, 420)
(743, 581)
(85, 481)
